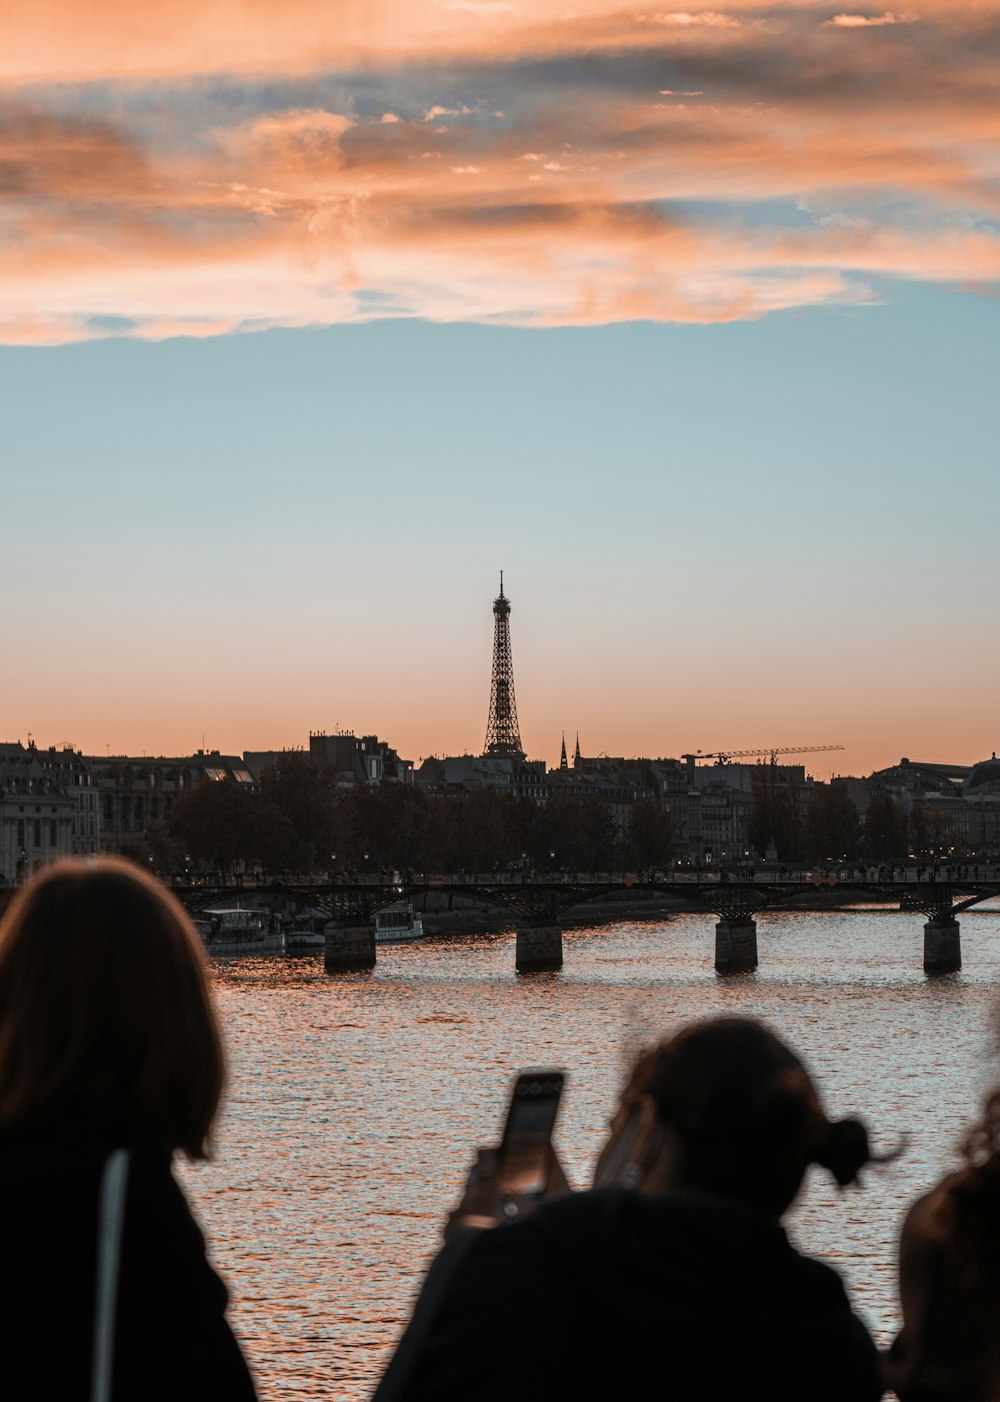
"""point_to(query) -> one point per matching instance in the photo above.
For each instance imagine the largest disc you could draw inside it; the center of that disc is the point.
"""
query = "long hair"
(747, 1116)
(105, 1012)
(973, 1196)
(982, 1143)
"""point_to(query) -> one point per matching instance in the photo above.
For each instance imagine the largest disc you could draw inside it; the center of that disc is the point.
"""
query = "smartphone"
(525, 1148)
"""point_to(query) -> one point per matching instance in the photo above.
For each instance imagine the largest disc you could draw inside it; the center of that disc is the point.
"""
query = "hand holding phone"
(509, 1181)
(524, 1157)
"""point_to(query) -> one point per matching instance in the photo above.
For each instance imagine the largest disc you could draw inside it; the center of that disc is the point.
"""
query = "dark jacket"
(611, 1294)
(949, 1260)
(172, 1339)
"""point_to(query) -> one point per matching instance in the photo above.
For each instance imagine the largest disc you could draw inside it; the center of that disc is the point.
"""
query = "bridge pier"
(736, 945)
(348, 949)
(942, 945)
(539, 949)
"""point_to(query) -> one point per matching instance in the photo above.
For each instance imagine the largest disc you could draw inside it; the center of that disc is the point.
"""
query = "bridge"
(351, 906)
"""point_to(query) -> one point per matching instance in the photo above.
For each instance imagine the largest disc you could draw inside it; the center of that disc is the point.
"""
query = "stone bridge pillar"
(349, 948)
(539, 949)
(942, 945)
(735, 945)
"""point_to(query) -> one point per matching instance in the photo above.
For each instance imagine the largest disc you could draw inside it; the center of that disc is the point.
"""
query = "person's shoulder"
(593, 1204)
(157, 1210)
(150, 1162)
(821, 1285)
(931, 1218)
(527, 1243)
(568, 1211)
(594, 1214)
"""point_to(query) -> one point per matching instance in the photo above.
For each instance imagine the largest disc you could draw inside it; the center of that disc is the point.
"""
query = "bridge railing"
(834, 874)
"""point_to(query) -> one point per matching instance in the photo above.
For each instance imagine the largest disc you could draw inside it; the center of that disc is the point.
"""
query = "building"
(136, 794)
(49, 808)
(953, 810)
(455, 774)
(618, 789)
(709, 805)
(367, 760)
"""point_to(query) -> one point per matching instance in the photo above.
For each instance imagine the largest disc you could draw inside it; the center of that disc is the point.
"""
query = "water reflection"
(356, 1102)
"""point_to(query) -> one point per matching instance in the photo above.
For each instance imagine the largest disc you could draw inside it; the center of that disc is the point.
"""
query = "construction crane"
(725, 757)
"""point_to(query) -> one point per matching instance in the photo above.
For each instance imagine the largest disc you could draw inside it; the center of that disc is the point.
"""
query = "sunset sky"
(316, 314)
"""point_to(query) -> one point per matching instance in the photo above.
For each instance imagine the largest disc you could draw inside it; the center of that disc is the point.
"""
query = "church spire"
(563, 761)
(576, 757)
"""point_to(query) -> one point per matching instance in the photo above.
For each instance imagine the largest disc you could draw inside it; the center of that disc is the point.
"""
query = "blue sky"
(251, 536)
(313, 316)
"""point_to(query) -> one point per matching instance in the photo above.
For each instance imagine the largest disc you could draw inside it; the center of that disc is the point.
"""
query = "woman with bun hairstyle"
(108, 1043)
(672, 1277)
(949, 1281)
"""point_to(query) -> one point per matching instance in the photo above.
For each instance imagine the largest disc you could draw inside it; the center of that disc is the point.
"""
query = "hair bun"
(844, 1150)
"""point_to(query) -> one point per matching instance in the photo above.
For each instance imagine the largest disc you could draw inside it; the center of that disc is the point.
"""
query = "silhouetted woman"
(108, 1041)
(672, 1277)
(949, 1281)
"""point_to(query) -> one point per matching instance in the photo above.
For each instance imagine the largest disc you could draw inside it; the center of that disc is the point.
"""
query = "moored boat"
(397, 923)
(235, 932)
(305, 932)
(303, 939)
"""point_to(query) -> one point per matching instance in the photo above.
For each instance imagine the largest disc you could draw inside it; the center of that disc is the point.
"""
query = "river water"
(355, 1102)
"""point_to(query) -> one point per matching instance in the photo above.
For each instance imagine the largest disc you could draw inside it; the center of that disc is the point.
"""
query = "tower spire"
(563, 761)
(576, 757)
(502, 736)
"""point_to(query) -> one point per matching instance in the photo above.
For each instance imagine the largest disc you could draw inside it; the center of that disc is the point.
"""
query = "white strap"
(110, 1217)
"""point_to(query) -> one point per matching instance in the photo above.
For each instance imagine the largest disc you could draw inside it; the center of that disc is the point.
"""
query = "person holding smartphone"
(672, 1276)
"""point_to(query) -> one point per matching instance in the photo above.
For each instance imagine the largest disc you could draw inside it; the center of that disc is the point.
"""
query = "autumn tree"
(928, 831)
(381, 825)
(831, 824)
(776, 814)
(885, 832)
(650, 834)
(581, 832)
(300, 797)
(166, 851)
(218, 823)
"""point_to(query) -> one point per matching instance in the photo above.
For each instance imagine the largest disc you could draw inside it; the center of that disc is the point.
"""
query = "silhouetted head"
(104, 1008)
(725, 1108)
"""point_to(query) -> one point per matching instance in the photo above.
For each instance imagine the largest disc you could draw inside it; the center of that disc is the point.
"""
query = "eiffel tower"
(502, 737)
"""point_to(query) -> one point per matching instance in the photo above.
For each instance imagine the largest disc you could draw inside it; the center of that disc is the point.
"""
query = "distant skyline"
(687, 320)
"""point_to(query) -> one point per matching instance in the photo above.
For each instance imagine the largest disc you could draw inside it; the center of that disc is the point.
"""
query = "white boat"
(302, 939)
(397, 923)
(235, 932)
(305, 934)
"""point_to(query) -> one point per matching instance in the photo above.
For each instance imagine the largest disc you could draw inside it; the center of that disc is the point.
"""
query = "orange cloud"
(866, 21)
(699, 19)
(695, 165)
(63, 40)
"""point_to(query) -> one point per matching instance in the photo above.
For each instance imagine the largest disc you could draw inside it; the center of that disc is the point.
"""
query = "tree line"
(820, 824)
(299, 820)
